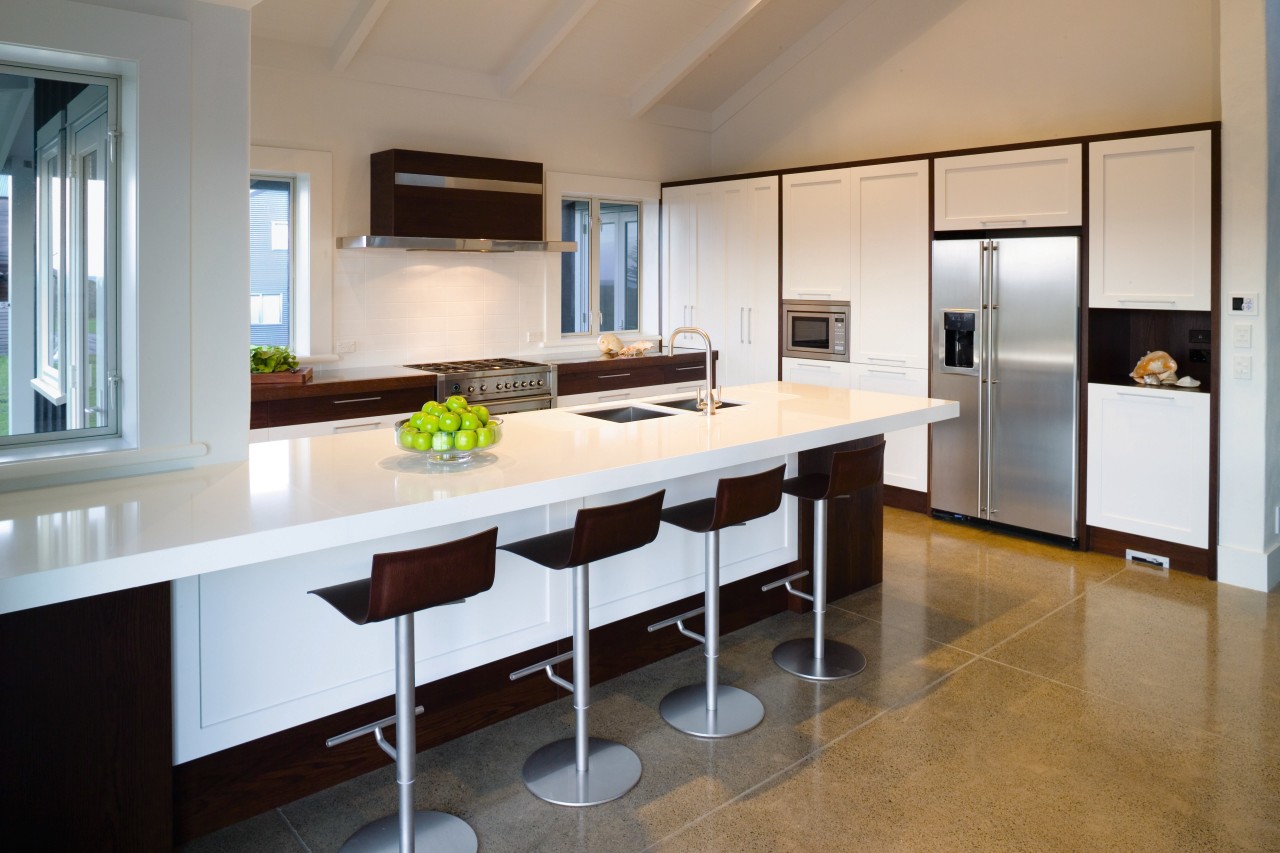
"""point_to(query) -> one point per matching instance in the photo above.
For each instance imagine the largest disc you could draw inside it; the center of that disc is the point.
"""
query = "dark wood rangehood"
(419, 200)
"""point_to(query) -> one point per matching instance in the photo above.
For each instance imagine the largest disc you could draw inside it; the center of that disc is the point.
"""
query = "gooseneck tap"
(712, 400)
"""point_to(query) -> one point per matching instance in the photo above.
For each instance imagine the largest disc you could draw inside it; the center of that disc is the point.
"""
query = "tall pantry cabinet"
(862, 234)
(721, 272)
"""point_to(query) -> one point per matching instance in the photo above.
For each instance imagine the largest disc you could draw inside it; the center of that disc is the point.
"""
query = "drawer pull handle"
(368, 425)
(695, 367)
(887, 372)
(1145, 396)
(887, 360)
(1147, 301)
(357, 400)
(612, 375)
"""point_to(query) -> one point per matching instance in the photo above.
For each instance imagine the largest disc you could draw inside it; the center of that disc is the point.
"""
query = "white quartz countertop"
(303, 495)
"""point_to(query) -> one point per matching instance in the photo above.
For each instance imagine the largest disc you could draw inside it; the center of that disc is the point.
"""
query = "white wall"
(1250, 463)
(932, 75)
(402, 307)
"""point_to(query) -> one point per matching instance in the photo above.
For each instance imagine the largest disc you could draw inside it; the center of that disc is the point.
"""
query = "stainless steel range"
(501, 384)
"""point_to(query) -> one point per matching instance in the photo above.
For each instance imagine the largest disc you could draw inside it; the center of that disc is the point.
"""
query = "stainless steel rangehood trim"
(455, 244)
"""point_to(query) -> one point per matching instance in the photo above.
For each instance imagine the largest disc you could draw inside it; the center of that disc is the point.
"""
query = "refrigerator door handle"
(980, 356)
(993, 293)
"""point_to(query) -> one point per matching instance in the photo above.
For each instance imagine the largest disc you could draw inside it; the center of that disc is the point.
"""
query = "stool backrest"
(405, 582)
(852, 470)
(604, 531)
(741, 499)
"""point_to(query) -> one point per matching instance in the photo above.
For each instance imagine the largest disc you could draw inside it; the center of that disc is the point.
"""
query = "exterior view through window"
(58, 281)
(271, 247)
(600, 283)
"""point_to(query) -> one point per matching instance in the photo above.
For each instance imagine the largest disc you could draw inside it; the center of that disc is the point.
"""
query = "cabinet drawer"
(355, 404)
(609, 379)
(686, 372)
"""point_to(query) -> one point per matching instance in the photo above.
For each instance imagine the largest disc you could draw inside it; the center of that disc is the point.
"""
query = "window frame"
(558, 186)
(311, 298)
(299, 244)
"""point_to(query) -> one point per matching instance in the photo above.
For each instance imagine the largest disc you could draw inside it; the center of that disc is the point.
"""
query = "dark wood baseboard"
(908, 499)
(85, 697)
(229, 786)
(1183, 558)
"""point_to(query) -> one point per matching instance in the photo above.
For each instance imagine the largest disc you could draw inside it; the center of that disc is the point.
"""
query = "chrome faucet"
(712, 401)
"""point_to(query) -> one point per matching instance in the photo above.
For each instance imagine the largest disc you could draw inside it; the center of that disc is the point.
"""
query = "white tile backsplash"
(406, 307)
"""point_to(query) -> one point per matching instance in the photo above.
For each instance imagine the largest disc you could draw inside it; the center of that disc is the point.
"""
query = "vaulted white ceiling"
(692, 63)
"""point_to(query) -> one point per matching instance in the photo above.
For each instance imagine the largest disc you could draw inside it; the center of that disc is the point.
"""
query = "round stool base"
(736, 711)
(435, 831)
(838, 660)
(551, 773)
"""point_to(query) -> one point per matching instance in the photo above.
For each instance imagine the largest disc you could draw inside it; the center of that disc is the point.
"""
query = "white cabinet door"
(1150, 222)
(906, 451)
(680, 221)
(809, 371)
(1024, 188)
(889, 310)
(816, 235)
(749, 342)
(1148, 463)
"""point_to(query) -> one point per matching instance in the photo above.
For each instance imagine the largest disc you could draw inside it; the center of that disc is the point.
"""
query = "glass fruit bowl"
(444, 450)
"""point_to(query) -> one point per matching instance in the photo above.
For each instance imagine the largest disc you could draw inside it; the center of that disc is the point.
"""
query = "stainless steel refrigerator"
(1005, 343)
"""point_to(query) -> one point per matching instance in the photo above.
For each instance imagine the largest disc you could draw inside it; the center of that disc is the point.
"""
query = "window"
(272, 248)
(600, 283)
(59, 333)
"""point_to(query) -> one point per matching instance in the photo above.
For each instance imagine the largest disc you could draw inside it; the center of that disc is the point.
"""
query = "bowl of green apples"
(452, 431)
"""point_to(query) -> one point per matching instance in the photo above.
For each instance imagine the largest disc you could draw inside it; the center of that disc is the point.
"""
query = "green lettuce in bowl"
(271, 359)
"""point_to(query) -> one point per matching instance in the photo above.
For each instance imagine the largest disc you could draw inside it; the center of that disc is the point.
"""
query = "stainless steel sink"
(625, 414)
(691, 404)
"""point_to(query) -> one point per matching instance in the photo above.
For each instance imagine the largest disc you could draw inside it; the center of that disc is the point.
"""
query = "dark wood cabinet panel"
(694, 372)
(353, 404)
(612, 378)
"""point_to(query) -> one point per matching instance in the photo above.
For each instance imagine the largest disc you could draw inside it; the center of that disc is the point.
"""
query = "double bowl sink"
(632, 414)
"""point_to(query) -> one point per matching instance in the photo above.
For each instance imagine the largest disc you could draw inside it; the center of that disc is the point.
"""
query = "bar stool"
(583, 770)
(712, 709)
(402, 583)
(816, 659)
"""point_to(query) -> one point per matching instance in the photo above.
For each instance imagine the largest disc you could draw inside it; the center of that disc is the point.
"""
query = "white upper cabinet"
(721, 261)
(1150, 222)
(1023, 188)
(889, 259)
(816, 235)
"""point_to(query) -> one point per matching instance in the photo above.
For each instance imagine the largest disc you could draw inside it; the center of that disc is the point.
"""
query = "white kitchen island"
(242, 543)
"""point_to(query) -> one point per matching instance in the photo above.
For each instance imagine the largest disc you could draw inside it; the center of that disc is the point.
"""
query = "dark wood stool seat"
(816, 658)
(582, 770)
(712, 709)
(401, 584)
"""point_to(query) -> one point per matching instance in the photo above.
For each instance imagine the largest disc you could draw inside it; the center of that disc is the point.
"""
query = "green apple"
(450, 421)
(482, 413)
(456, 403)
(442, 441)
(484, 437)
(464, 439)
(406, 436)
(430, 423)
(422, 441)
(469, 420)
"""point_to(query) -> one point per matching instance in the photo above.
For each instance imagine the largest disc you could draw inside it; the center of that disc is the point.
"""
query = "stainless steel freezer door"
(1032, 376)
(954, 480)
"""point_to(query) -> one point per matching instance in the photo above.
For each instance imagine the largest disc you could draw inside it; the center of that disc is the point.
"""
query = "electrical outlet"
(1242, 335)
(533, 337)
(1199, 356)
(346, 346)
(1242, 367)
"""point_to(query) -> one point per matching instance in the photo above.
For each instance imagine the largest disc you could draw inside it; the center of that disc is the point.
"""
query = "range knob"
(539, 383)
(523, 384)
(483, 388)
(471, 389)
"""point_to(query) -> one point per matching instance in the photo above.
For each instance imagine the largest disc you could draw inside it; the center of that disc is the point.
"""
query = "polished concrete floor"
(1018, 696)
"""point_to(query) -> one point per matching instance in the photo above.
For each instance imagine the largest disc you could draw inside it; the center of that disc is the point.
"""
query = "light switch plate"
(1242, 367)
(1242, 335)
(1243, 303)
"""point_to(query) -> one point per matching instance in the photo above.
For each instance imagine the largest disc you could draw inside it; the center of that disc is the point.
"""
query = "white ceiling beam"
(692, 55)
(841, 17)
(357, 29)
(542, 43)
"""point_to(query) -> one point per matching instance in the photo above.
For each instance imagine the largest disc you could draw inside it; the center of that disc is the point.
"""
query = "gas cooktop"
(478, 364)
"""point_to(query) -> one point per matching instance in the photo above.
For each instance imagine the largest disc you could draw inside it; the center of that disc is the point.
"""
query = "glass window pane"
(58, 320)
(619, 266)
(575, 267)
(270, 260)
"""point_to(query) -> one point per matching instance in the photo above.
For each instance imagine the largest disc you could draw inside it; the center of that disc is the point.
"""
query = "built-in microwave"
(815, 329)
